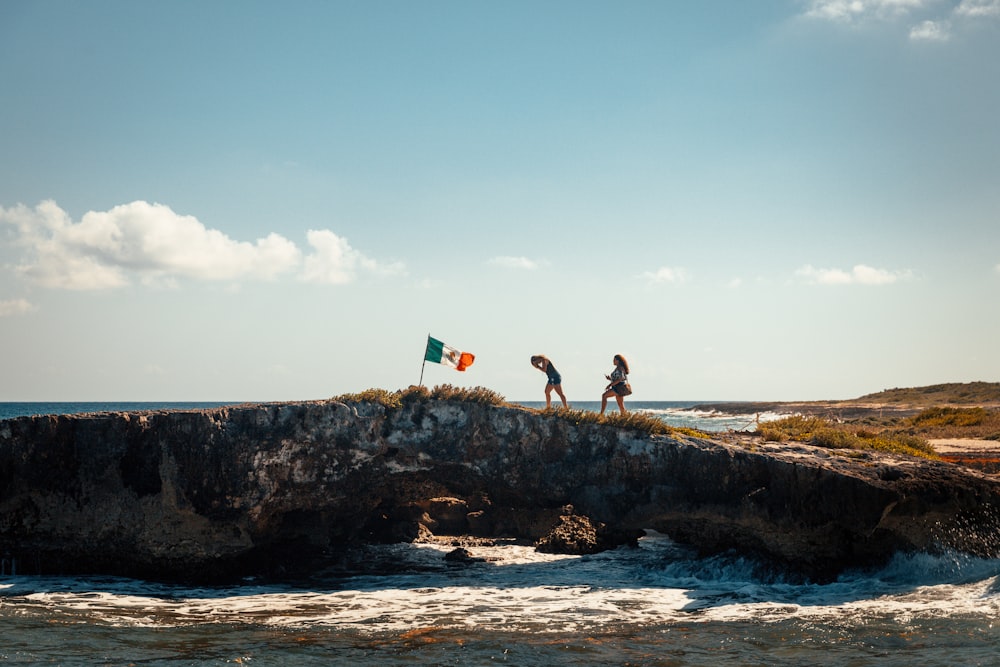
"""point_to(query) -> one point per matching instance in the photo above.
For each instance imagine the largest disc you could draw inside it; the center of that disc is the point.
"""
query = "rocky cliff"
(235, 490)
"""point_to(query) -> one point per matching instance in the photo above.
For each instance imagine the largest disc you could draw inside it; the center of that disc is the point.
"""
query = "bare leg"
(621, 402)
(548, 396)
(604, 399)
(561, 395)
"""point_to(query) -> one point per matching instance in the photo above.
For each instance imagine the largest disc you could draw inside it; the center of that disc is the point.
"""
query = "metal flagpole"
(425, 362)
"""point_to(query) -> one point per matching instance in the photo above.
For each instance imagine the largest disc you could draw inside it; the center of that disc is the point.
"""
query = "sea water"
(676, 413)
(651, 605)
(689, 414)
(10, 410)
(404, 604)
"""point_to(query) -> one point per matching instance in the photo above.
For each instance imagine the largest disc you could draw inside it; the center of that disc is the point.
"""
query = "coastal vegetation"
(946, 422)
(907, 435)
(953, 393)
(832, 435)
(393, 400)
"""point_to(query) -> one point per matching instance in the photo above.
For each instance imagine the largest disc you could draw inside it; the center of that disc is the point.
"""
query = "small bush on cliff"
(482, 395)
(393, 400)
(822, 433)
(388, 399)
(415, 393)
(576, 416)
(638, 421)
(633, 421)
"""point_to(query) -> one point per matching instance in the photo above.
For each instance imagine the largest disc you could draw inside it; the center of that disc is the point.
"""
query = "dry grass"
(633, 421)
(955, 393)
(823, 433)
(977, 423)
(481, 395)
(393, 400)
(907, 435)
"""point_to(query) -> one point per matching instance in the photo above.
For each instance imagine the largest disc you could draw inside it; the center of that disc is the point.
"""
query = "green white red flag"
(446, 355)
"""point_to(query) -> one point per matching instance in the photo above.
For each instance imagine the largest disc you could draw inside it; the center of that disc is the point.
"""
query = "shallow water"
(651, 605)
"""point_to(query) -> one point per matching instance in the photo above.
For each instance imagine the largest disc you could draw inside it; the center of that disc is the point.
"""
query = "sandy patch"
(964, 446)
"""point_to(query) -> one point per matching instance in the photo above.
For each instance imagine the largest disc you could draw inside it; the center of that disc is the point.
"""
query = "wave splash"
(516, 589)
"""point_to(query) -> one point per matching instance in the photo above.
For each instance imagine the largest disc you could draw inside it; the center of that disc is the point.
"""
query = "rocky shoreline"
(242, 490)
(981, 454)
(828, 409)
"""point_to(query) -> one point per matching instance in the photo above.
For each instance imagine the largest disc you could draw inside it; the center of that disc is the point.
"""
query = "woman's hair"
(621, 359)
(535, 358)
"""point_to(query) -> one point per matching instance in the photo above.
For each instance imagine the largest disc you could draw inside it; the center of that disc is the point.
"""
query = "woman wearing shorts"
(618, 384)
(542, 363)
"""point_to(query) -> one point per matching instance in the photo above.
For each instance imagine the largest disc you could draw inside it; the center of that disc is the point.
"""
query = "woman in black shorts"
(618, 384)
(542, 363)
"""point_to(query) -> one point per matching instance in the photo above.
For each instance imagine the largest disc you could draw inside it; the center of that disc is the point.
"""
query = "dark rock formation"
(575, 534)
(462, 556)
(222, 492)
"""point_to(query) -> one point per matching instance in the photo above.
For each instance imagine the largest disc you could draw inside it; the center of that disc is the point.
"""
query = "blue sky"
(768, 200)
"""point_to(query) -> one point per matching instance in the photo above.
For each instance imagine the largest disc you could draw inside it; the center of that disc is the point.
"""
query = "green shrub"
(575, 416)
(415, 393)
(832, 438)
(822, 433)
(796, 427)
(901, 443)
(638, 421)
(481, 395)
(383, 397)
(393, 400)
(950, 417)
(632, 421)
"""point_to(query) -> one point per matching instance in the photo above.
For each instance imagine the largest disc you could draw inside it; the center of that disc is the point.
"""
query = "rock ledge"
(228, 491)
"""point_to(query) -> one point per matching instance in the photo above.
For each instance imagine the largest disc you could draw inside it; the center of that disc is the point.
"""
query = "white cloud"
(931, 31)
(859, 275)
(930, 20)
(933, 18)
(15, 307)
(155, 245)
(976, 8)
(851, 10)
(514, 263)
(665, 274)
(335, 262)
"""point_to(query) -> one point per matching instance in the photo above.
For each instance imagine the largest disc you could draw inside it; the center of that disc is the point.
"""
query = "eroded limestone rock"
(219, 492)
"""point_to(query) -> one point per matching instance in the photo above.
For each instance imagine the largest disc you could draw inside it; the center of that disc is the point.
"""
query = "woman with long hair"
(542, 363)
(618, 385)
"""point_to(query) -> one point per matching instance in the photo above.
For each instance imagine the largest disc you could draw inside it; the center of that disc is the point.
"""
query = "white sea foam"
(518, 589)
(711, 420)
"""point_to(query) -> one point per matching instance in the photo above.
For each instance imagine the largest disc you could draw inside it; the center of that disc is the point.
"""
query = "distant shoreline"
(839, 409)
(846, 409)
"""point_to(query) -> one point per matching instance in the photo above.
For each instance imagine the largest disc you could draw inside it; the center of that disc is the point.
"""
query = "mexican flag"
(440, 353)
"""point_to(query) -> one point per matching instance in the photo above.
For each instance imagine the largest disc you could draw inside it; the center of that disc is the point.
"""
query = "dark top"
(553, 374)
